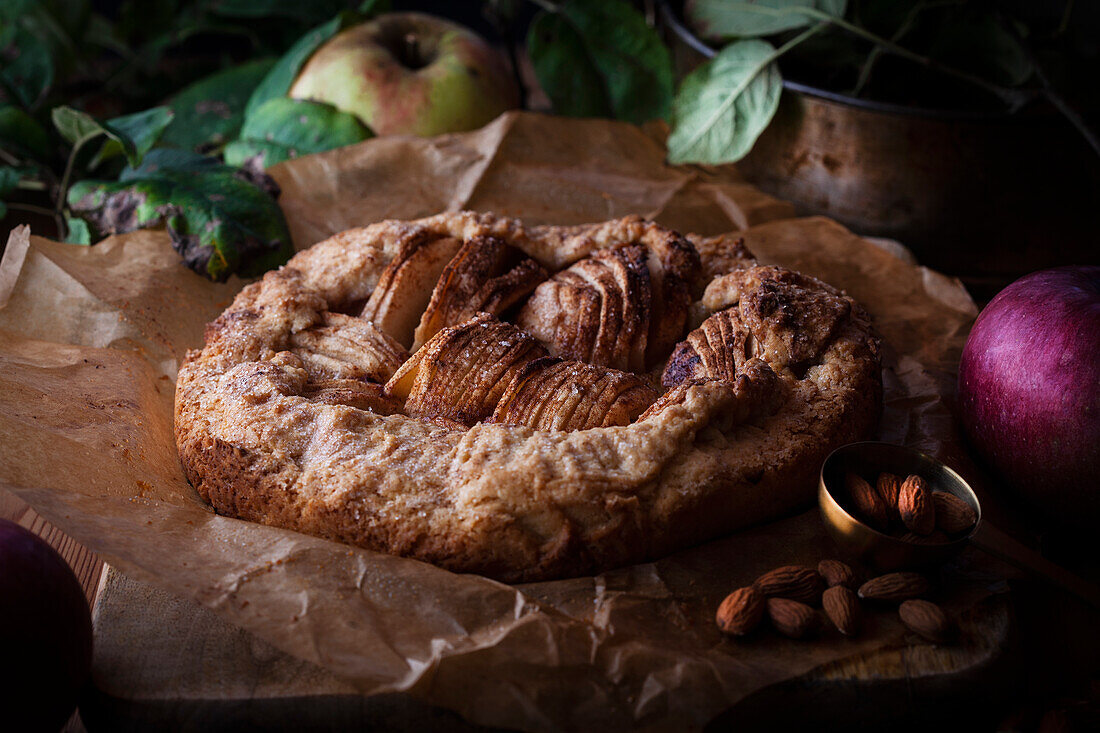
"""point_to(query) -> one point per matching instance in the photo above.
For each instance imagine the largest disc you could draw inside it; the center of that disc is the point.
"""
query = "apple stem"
(412, 50)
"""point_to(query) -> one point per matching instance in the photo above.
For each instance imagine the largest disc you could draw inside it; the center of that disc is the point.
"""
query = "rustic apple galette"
(524, 402)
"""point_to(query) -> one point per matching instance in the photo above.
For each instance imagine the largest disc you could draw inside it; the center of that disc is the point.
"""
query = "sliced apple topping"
(485, 276)
(596, 311)
(462, 371)
(792, 317)
(406, 284)
(717, 349)
(353, 393)
(755, 393)
(346, 347)
(624, 307)
(552, 394)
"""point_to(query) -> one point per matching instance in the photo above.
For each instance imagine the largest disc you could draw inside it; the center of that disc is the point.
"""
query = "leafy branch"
(720, 109)
(162, 167)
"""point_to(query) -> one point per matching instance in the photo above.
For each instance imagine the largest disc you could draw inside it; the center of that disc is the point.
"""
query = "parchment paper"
(91, 338)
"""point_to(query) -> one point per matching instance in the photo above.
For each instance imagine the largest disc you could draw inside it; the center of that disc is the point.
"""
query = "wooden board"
(164, 662)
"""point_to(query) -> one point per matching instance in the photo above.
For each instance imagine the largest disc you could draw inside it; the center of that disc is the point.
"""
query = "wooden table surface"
(1065, 663)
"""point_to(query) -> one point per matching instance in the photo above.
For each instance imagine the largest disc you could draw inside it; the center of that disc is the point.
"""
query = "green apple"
(410, 73)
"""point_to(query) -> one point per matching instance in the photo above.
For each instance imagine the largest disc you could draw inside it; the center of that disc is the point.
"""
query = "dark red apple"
(45, 634)
(1029, 390)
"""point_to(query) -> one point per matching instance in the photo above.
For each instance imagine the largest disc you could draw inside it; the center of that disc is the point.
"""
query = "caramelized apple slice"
(792, 317)
(551, 394)
(346, 347)
(755, 393)
(353, 393)
(624, 307)
(461, 372)
(718, 349)
(406, 284)
(597, 311)
(485, 276)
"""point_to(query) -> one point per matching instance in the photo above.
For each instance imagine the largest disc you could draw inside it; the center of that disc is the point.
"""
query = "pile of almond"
(909, 510)
(788, 595)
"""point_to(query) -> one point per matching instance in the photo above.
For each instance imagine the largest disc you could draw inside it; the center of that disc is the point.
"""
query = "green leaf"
(210, 111)
(588, 51)
(13, 10)
(78, 231)
(725, 104)
(565, 69)
(286, 128)
(745, 19)
(132, 135)
(9, 178)
(142, 129)
(307, 12)
(277, 82)
(75, 125)
(27, 70)
(220, 220)
(980, 44)
(21, 135)
(371, 8)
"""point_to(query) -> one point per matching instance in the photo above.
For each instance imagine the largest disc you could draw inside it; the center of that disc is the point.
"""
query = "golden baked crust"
(279, 426)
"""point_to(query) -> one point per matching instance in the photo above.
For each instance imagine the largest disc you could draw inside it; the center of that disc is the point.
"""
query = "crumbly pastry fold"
(270, 431)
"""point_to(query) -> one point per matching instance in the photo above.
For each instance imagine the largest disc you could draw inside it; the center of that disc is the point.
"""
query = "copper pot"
(988, 197)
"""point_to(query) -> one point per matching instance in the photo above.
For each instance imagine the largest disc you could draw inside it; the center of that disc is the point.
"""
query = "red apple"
(45, 633)
(1029, 390)
(410, 73)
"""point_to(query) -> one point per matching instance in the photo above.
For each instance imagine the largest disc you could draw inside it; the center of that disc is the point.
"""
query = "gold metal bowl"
(856, 539)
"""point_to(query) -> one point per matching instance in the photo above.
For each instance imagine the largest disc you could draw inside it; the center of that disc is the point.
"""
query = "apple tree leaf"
(9, 178)
(77, 231)
(220, 220)
(210, 111)
(719, 19)
(284, 128)
(131, 135)
(279, 79)
(75, 125)
(725, 104)
(595, 58)
(26, 66)
(565, 69)
(313, 11)
(21, 135)
(371, 8)
(979, 43)
(142, 129)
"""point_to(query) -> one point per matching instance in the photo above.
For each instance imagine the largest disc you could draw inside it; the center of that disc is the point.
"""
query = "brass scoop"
(891, 553)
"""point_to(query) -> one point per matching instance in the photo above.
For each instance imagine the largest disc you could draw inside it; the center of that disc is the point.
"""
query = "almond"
(953, 515)
(868, 504)
(926, 619)
(791, 618)
(888, 486)
(796, 582)
(915, 506)
(842, 608)
(894, 587)
(834, 572)
(741, 611)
